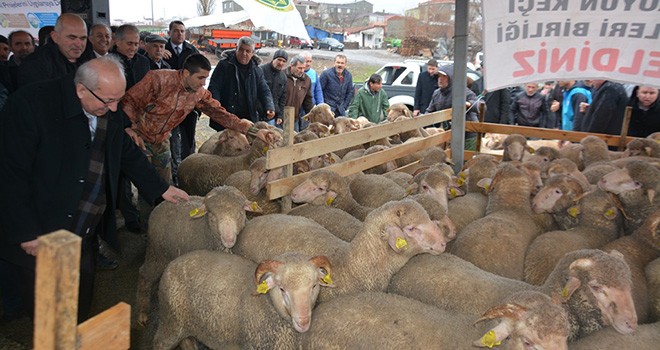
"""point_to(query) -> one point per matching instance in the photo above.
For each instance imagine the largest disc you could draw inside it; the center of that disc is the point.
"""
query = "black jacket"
(176, 61)
(46, 158)
(276, 81)
(643, 122)
(605, 114)
(530, 110)
(497, 103)
(47, 62)
(225, 86)
(134, 69)
(426, 84)
(163, 64)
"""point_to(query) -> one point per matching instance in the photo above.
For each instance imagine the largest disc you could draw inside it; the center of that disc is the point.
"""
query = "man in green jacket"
(370, 101)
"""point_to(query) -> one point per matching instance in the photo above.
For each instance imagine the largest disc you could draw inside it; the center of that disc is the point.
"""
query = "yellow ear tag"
(327, 279)
(564, 292)
(329, 201)
(453, 192)
(196, 211)
(489, 340)
(254, 206)
(610, 213)
(573, 211)
(461, 175)
(265, 149)
(262, 288)
(401, 243)
(460, 181)
(487, 187)
(531, 151)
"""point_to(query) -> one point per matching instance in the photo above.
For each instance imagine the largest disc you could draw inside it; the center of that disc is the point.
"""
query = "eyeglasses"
(108, 102)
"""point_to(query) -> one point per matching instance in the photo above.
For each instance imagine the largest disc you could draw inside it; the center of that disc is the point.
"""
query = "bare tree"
(205, 7)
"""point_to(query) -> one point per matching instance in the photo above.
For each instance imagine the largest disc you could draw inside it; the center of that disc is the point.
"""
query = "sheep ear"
(325, 270)
(495, 336)
(486, 184)
(651, 194)
(570, 287)
(412, 188)
(617, 254)
(448, 227)
(252, 207)
(198, 212)
(454, 192)
(648, 151)
(263, 275)
(306, 116)
(396, 239)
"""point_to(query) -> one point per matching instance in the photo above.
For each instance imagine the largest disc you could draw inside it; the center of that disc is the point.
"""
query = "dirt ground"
(120, 285)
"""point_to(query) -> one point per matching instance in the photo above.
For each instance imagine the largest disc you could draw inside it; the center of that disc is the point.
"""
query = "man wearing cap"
(155, 48)
(427, 82)
(276, 80)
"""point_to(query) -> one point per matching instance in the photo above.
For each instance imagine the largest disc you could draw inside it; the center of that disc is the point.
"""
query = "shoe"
(105, 263)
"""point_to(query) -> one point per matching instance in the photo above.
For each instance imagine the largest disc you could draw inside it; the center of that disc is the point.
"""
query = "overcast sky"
(134, 10)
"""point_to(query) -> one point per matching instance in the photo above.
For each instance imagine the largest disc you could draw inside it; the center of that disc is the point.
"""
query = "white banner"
(540, 40)
(277, 15)
(28, 15)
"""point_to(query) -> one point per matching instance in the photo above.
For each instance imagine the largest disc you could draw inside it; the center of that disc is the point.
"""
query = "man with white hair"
(60, 170)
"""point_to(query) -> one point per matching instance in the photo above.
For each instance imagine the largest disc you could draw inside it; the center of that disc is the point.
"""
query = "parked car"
(331, 44)
(306, 44)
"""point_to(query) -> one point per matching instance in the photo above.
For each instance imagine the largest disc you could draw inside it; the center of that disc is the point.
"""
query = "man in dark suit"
(155, 48)
(182, 141)
(60, 169)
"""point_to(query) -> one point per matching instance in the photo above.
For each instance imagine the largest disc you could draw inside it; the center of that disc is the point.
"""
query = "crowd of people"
(91, 111)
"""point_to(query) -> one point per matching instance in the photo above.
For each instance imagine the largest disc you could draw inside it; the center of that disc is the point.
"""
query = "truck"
(400, 79)
(219, 40)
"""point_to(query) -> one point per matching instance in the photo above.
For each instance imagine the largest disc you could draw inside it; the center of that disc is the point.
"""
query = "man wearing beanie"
(276, 80)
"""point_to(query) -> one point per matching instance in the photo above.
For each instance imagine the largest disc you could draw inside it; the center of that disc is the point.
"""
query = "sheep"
(252, 184)
(396, 110)
(331, 189)
(646, 337)
(379, 169)
(593, 285)
(399, 177)
(321, 113)
(373, 190)
(639, 249)
(635, 186)
(643, 147)
(338, 222)
(543, 157)
(211, 296)
(566, 166)
(321, 130)
(435, 184)
(199, 172)
(515, 146)
(389, 321)
(573, 152)
(497, 242)
(654, 136)
(227, 143)
(596, 159)
(463, 210)
(598, 222)
(652, 272)
(390, 236)
(410, 134)
(212, 222)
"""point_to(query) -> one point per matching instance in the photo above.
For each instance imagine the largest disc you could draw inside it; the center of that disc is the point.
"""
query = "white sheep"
(390, 236)
(252, 184)
(528, 320)
(214, 298)
(594, 286)
(639, 249)
(226, 143)
(212, 222)
(338, 222)
(598, 222)
(652, 272)
(497, 242)
(646, 337)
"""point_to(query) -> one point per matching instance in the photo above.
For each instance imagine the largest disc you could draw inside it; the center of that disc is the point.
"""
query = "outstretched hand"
(174, 195)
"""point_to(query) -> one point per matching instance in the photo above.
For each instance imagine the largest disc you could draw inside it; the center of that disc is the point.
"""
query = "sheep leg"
(149, 275)
(168, 335)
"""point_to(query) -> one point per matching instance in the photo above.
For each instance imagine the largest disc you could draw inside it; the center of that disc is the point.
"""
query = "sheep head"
(567, 166)
(603, 281)
(321, 113)
(530, 320)
(559, 193)
(321, 183)
(643, 147)
(321, 130)
(515, 146)
(396, 110)
(650, 230)
(260, 176)
(636, 175)
(407, 228)
(231, 143)
(224, 207)
(292, 282)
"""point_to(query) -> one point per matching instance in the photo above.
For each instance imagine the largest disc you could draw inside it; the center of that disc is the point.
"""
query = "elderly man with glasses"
(60, 170)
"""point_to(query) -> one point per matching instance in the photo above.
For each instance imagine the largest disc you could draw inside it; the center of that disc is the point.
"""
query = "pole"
(624, 128)
(458, 85)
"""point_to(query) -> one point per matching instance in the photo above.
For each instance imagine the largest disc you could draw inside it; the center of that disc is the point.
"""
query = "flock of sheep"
(546, 249)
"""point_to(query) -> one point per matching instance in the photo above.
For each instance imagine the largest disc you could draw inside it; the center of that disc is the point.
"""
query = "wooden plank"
(283, 187)
(110, 329)
(575, 136)
(289, 134)
(624, 128)
(287, 155)
(469, 154)
(56, 305)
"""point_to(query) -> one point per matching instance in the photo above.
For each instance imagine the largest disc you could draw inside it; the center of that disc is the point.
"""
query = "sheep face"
(231, 143)
(396, 110)
(293, 285)
(558, 194)
(514, 147)
(408, 228)
(618, 181)
(530, 320)
(606, 282)
(225, 209)
(321, 113)
(344, 125)
(309, 190)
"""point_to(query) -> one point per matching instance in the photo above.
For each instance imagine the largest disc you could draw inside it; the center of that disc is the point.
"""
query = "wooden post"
(289, 122)
(624, 128)
(56, 304)
(481, 113)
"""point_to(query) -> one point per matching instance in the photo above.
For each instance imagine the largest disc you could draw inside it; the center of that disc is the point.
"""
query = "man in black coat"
(276, 80)
(136, 66)
(427, 82)
(60, 56)
(498, 102)
(238, 83)
(605, 113)
(60, 169)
